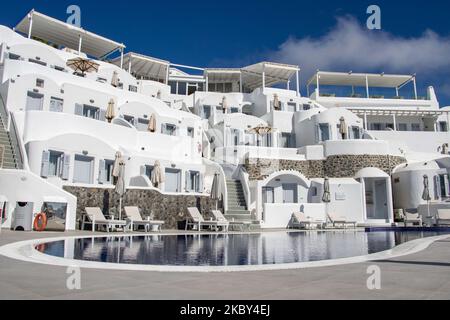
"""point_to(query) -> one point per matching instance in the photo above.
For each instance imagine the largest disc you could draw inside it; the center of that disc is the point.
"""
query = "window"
(265, 140)
(268, 195)
(173, 87)
(193, 181)
(228, 88)
(443, 126)
(402, 127)
(37, 62)
(192, 88)
(147, 171)
(55, 164)
(132, 88)
(173, 180)
(169, 129)
(39, 83)
(389, 126)
(14, 56)
(56, 104)
(35, 101)
(56, 161)
(182, 90)
(290, 193)
(287, 140)
(129, 119)
(324, 132)
(314, 192)
(106, 172)
(355, 133)
(206, 112)
(83, 169)
(291, 107)
(416, 127)
(306, 107)
(190, 132)
(234, 110)
(91, 112)
(58, 68)
(142, 124)
(376, 126)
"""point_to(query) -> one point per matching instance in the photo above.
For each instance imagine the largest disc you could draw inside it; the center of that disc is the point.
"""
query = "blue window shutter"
(45, 164)
(102, 115)
(143, 170)
(102, 172)
(66, 167)
(437, 187)
(188, 181)
(200, 183)
(78, 109)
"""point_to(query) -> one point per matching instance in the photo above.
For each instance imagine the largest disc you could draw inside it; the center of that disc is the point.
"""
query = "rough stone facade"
(343, 166)
(168, 208)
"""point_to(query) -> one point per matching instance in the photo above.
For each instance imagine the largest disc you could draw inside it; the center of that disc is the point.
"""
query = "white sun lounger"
(95, 217)
(412, 218)
(443, 218)
(300, 221)
(134, 215)
(241, 225)
(340, 221)
(196, 219)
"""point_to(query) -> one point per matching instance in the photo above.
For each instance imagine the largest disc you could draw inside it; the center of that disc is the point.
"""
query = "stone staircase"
(237, 206)
(9, 156)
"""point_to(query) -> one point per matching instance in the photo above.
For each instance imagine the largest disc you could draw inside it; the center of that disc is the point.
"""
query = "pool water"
(229, 250)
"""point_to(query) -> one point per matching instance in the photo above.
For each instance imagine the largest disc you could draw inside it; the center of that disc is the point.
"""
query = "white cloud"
(351, 46)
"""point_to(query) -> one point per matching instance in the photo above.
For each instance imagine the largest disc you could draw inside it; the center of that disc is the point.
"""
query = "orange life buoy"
(40, 222)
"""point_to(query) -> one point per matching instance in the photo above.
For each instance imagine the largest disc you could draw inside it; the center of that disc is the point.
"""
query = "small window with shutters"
(56, 104)
(55, 164)
(106, 172)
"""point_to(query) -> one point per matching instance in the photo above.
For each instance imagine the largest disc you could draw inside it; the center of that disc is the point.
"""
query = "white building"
(271, 147)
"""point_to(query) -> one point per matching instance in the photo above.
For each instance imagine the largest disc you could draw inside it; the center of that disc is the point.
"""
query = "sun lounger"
(443, 217)
(95, 217)
(133, 214)
(340, 221)
(300, 221)
(241, 225)
(196, 219)
(412, 218)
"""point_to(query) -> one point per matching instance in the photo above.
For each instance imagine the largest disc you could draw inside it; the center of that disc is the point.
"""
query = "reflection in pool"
(229, 250)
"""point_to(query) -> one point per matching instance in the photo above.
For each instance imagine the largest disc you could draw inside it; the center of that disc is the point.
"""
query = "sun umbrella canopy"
(276, 102)
(343, 127)
(326, 191)
(157, 175)
(120, 185)
(115, 79)
(152, 124)
(111, 112)
(116, 167)
(261, 130)
(215, 189)
(426, 189)
(224, 104)
(83, 65)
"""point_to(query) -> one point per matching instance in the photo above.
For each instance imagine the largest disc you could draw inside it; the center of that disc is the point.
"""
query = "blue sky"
(330, 35)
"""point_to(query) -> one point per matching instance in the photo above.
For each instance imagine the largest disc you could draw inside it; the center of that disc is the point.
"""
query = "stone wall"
(168, 208)
(343, 166)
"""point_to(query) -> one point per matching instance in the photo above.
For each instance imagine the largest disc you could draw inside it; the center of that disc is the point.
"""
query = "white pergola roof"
(405, 113)
(274, 73)
(223, 75)
(144, 66)
(67, 35)
(360, 79)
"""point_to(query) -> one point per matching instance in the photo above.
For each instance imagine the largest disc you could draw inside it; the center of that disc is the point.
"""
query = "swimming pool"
(228, 250)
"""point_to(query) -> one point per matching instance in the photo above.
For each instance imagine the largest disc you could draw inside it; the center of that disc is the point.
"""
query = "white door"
(35, 101)
(290, 194)
(173, 180)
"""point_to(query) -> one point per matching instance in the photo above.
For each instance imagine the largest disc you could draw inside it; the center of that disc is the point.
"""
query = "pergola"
(223, 75)
(398, 113)
(38, 25)
(367, 80)
(145, 67)
(265, 74)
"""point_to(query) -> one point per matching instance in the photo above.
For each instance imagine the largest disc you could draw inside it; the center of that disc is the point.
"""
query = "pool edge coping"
(25, 251)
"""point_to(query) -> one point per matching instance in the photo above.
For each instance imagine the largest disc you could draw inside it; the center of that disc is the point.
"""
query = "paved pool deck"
(424, 275)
